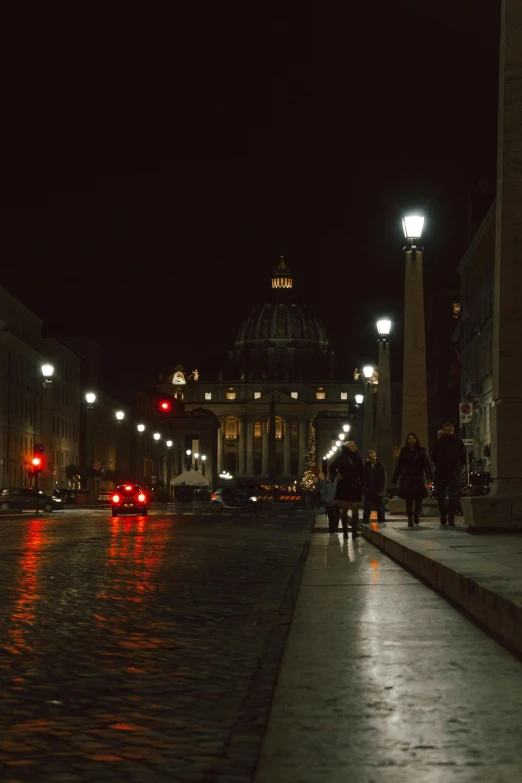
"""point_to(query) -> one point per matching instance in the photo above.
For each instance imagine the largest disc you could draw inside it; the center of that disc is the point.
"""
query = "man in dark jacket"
(374, 480)
(448, 455)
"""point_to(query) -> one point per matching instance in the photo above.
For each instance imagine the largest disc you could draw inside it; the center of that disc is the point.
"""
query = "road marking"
(188, 513)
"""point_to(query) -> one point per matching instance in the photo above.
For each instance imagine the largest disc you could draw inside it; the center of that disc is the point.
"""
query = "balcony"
(474, 388)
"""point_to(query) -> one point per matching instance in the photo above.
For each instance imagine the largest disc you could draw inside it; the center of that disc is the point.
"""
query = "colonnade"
(245, 444)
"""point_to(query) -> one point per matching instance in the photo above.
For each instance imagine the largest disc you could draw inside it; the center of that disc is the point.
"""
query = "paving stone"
(130, 653)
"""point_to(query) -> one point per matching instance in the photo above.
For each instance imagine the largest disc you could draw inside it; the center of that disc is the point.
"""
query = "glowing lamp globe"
(90, 397)
(346, 427)
(141, 428)
(359, 398)
(47, 370)
(368, 371)
(384, 326)
(120, 415)
(413, 225)
(169, 444)
(157, 436)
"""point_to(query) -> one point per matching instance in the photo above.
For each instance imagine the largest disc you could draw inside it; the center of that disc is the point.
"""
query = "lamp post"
(140, 468)
(203, 461)
(414, 381)
(196, 457)
(120, 416)
(169, 463)
(368, 409)
(188, 461)
(157, 438)
(384, 435)
(90, 399)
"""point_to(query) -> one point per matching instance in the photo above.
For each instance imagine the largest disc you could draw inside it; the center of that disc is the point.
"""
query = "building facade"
(475, 335)
(279, 392)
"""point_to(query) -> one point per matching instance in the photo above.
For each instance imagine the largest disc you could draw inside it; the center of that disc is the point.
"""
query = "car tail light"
(116, 498)
(128, 488)
(213, 496)
(142, 498)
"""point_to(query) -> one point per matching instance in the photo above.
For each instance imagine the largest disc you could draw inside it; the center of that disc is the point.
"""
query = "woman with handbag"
(412, 471)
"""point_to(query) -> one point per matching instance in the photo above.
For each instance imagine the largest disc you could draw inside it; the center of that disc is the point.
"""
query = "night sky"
(157, 160)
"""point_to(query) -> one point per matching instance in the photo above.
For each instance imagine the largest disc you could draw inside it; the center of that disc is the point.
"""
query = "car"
(25, 498)
(229, 497)
(128, 498)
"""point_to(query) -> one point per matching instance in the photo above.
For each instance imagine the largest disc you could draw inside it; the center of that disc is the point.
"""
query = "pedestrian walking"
(448, 455)
(331, 505)
(374, 481)
(412, 471)
(348, 469)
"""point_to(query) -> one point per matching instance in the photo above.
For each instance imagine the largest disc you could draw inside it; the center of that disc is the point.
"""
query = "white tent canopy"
(190, 478)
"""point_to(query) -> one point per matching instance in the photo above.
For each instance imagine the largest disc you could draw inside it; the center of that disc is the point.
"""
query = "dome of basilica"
(281, 338)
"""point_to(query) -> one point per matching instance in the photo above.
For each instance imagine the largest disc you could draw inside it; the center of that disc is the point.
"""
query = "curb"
(496, 613)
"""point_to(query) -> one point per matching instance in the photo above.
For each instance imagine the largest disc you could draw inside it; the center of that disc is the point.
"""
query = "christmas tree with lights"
(307, 482)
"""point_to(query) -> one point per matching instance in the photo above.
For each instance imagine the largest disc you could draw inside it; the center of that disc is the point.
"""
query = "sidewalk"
(481, 574)
(384, 681)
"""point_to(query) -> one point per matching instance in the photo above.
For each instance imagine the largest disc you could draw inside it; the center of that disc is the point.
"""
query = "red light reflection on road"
(23, 615)
(135, 553)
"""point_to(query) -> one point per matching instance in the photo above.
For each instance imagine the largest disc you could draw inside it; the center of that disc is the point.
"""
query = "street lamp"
(359, 398)
(342, 436)
(368, 372)
(346, 427)
(141, 428)
(383, 434)
(412, 226)
(47, 372)
(203, 461)
(414, 376)
(157, 436)
(196, 457)
(337, 443)
(169, 444)
(120, 415)
(384, 327)
(90, 398)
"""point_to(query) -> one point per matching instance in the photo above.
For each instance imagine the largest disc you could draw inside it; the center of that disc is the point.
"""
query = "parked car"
(128, 498)
(25, 497)
(229, 497)
(65, 495)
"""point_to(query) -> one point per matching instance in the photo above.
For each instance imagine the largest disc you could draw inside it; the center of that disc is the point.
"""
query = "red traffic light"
(37, 462)
(165, 406)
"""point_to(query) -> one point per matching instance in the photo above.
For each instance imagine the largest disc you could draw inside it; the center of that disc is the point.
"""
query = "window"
(258, 430)
(231, 395)
(320, 395)
(208, 395)
(295, 395)
(344, 395)
(230, 428)
(257, 395)
(279, 428)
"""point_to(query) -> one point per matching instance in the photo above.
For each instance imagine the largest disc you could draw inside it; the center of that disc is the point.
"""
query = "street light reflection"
(23, 615)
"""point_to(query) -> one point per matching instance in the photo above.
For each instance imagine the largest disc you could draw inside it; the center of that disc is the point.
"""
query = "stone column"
(303, 445)
(220, 449)
(250, 448)
(368, 431)
(286, 448)
(414, 382)
(264, 447)
(503, 506)
(241, 447)
(383, 437)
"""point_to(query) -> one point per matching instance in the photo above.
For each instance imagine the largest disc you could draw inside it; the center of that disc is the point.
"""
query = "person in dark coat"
(412, 471)
(348, 469)
(374, 481)
(448, 455)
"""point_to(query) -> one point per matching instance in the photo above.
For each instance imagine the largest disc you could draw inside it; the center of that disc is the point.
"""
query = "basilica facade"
(278, 391)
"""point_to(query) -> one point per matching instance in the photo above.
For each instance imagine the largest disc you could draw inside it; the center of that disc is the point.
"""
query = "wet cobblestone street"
(142, 649)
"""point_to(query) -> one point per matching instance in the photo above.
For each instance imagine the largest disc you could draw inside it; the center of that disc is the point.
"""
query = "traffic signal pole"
(37, 488)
